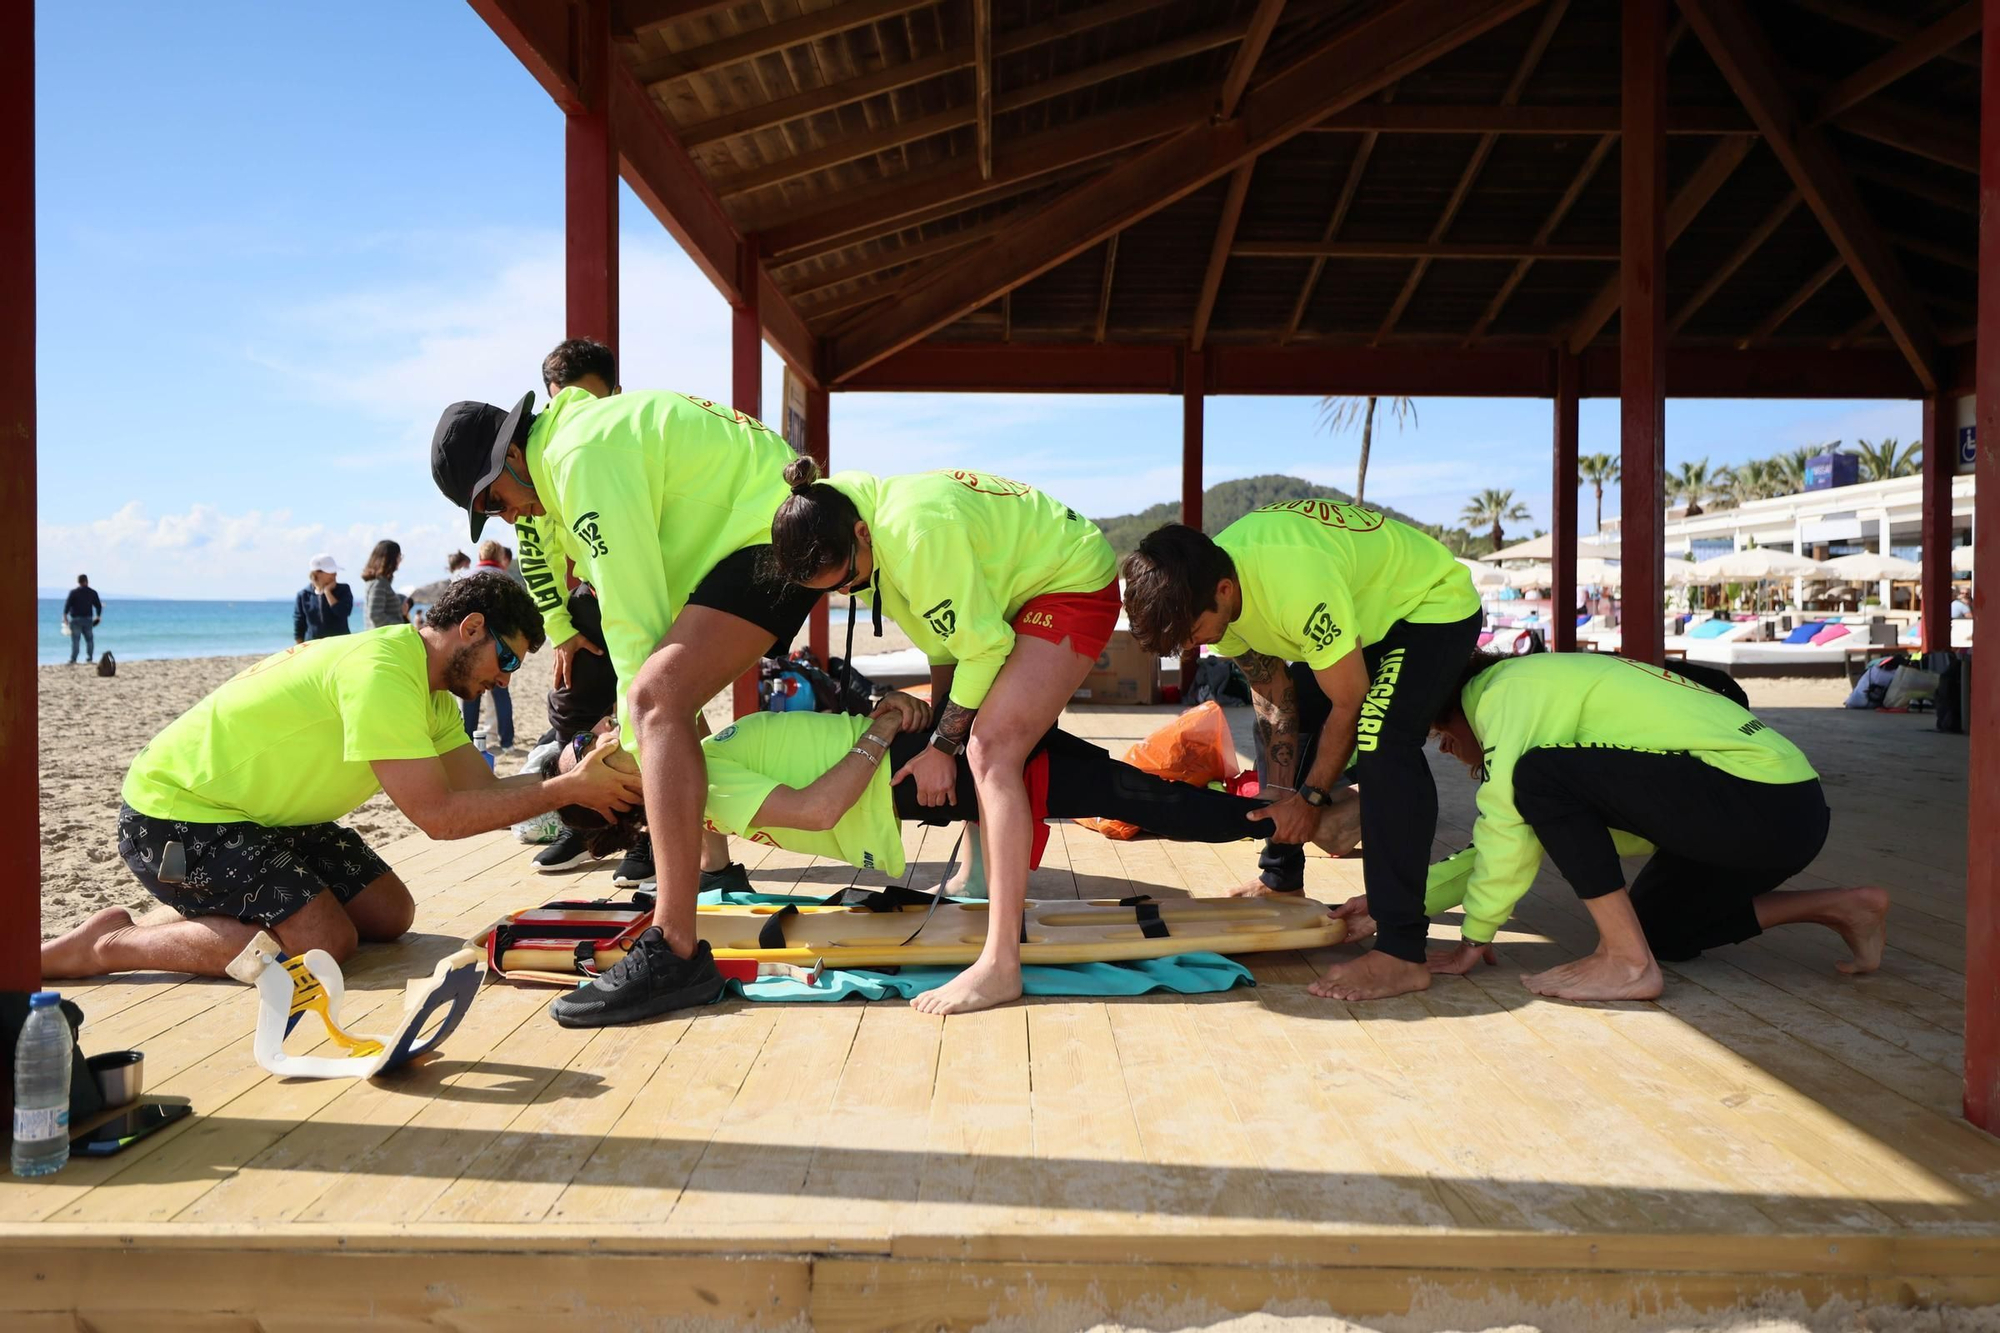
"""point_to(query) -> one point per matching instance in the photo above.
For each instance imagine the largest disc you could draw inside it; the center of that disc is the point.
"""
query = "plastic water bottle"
(479, 743)
(41, 1089)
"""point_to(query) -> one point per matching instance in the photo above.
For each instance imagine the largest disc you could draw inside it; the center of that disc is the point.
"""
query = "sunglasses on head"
(509, 660)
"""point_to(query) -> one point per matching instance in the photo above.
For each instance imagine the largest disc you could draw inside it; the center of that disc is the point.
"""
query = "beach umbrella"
(1484, 577)
(1590, 573)
(1543, 548)
(1866, 568)
(1751, 564)
(1961, 559)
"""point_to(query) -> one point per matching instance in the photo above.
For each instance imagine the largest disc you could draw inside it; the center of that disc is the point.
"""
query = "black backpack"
(107, 665)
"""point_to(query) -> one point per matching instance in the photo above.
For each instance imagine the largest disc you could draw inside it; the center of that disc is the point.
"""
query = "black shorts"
(739, 587)
(248, 871)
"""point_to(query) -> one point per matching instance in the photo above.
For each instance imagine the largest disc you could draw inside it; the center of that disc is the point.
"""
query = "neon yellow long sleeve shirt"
(957, 555)
(646, 492)
(1571, 699)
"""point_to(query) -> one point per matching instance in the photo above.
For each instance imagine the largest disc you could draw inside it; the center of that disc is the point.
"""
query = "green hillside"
(1223, 504)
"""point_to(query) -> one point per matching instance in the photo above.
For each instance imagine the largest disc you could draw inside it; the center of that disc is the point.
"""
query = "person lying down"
(819, 783)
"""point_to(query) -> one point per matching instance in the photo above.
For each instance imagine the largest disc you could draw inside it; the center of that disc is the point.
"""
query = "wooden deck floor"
(1767, 1124)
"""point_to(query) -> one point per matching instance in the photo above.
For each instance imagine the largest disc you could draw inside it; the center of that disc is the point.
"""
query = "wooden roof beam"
(632, 17)
(1180, 48)
(1920, 187)
(1864, 17)
(982, 84)
(1772, 322)
(1475, 118)
(1420, 250)
(1219, 252)
(765, 39)
(1923, 133)
(1483, 149)
(830, 98)
(1104, 288)
(1362, 58)
(877, 261)
(872, 210)
(1745, 60)
(1929, 249)
(1263, 22)
(1682, 209)
(1740, 256)
(1356, 169)
(1600, 151)
(1908, 57)
(853, 148)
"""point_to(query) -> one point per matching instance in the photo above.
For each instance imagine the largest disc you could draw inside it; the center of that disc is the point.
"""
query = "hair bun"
(801, 473)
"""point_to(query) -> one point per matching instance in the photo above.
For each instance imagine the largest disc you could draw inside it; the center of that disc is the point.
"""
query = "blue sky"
(276, 239)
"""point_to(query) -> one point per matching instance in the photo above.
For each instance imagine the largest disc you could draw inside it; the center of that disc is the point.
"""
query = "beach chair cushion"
(1804, 633)
(1710, 629)
(1829, 634)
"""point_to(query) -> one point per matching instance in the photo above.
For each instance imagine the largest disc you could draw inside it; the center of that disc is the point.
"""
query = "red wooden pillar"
(817, 428)
(1562, 505)
(1194, 383)
(1940, 453)
(1982, 789)
(20, 857)
(1642, 323)
(746, 354)
(590, 193)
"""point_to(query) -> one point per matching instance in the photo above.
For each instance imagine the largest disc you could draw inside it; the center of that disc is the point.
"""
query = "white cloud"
(203, 552)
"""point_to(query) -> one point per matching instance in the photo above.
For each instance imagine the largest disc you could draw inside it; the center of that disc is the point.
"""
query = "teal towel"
(1185, 974)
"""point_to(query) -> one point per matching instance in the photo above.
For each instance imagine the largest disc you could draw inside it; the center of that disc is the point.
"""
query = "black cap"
(470, 448)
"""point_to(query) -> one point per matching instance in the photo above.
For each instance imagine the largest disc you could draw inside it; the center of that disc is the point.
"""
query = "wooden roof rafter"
(1361, 58)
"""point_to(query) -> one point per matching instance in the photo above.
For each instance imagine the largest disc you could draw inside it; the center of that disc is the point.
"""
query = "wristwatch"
(1313, 796)
(945, 745)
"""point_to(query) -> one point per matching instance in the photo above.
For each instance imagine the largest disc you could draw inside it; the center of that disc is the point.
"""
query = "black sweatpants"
(1722, 839)
(1086, 782)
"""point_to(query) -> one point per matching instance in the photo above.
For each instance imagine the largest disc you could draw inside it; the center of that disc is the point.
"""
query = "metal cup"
(120, 1075)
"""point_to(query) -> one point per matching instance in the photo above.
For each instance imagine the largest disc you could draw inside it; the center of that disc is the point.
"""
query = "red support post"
(20, 857)
(1940, 452)
(1642, 329)
(590, 186)
(1982, 788)
(1194, 383)
(746, 394)
(817, 435)
(1563, 502)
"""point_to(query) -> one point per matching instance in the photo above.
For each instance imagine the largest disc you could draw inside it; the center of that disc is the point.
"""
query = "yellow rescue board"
(1064, 930)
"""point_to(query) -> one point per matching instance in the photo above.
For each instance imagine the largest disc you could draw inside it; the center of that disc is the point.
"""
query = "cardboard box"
(1124, 673)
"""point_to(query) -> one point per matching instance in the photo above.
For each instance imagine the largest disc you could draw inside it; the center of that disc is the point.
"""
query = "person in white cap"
(321, 609)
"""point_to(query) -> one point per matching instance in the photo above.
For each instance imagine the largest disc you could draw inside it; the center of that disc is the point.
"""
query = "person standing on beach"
(664, 503)
(321, 609)
(1385, 618)
(382, 604)
(494, 559)
(83, 612)
(228, 814)
(457, 565)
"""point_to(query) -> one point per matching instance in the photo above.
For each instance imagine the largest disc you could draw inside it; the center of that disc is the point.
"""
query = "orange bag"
(1195, 747)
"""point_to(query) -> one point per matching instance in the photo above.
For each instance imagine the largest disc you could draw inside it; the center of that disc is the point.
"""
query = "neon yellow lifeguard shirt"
(646, 492)
(756, 755)
(1321, 578)
(289, 740)
(958, 554)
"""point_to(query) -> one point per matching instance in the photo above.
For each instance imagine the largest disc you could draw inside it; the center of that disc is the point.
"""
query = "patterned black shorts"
(248, 871)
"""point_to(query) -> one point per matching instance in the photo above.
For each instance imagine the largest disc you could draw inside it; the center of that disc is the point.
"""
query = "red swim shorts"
(1086, 619)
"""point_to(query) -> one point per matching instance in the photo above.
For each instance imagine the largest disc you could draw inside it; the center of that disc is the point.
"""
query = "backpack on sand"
(107, 665)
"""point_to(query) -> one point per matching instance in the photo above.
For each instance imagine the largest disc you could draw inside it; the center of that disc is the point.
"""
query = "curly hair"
(601, 837)
(508, 608)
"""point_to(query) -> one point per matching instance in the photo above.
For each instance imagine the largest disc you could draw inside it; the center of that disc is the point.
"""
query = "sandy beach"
(92, 726)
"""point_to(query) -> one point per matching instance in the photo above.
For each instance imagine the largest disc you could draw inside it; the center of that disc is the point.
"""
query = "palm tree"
(1691, 484)
(1755, 480)
(1338, 413)
(1494, 508)
(1600, 470)
(1890, 458)
(1790, 467)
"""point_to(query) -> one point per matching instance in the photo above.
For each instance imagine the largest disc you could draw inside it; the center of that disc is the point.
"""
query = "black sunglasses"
(509, 660)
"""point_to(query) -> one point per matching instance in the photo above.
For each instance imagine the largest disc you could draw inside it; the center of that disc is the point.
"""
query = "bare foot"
(1373, 976)
(1252, 888)
(74, 954)
(1862, 919)
(1598, 977)
(981, 986)
(1339, 831)
(960, 882)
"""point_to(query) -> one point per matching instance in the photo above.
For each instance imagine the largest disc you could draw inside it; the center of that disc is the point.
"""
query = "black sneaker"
(565, 853)
(650, 980)
(732, 878)
(637, 867)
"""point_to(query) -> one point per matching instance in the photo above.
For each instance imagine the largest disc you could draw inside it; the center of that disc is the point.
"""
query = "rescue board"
(553, 943)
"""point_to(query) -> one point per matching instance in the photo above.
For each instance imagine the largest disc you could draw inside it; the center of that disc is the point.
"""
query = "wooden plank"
(1086, 1135)
(1104, 286)
(1910, 55)
(1738, 257)
(1364, 57)
(980, 1134)
(1356, 169)
(817, 101)
(852, 148)
(1808, 289)
(1642, 343)
(1478, 118)
(1103, 71)
(1219, 250)
(764, 39)
(982, 83)
(1746, 61)
(1419, 250)
(869, 1160)
(1263, 22)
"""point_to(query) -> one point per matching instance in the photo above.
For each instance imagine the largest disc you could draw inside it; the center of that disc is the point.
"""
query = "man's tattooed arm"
(1277, 727)
(955, 723)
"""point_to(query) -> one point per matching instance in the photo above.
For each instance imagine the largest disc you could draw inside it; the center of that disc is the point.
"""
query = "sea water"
(135, 628)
